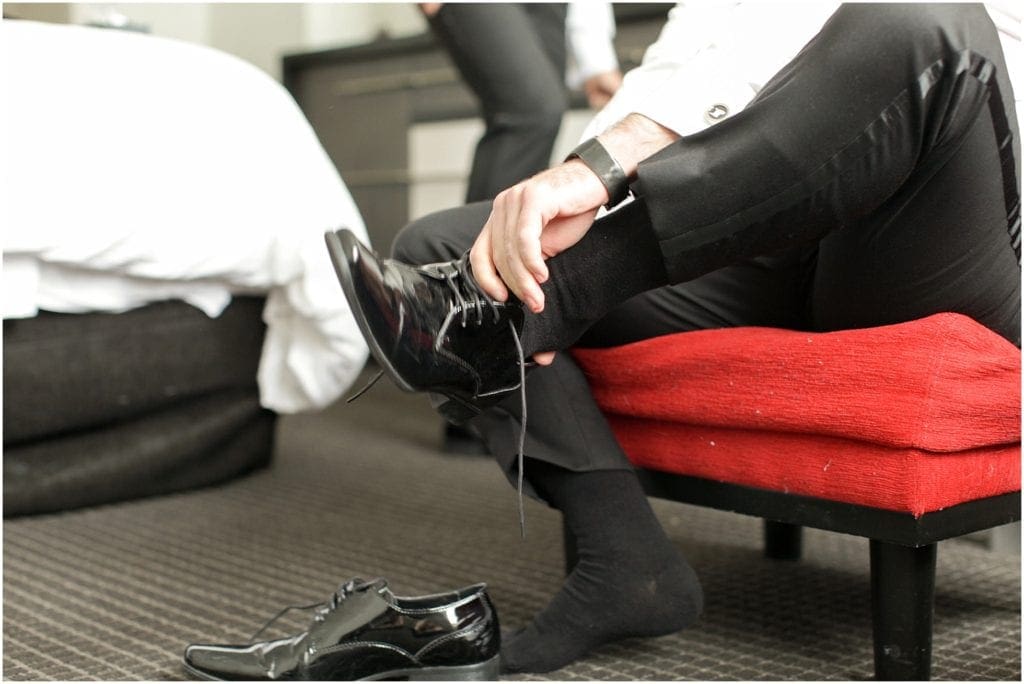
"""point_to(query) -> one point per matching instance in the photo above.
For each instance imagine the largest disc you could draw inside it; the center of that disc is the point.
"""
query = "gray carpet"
(117, 592)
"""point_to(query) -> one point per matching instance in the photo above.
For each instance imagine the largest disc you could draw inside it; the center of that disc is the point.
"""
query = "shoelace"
(470, 291)
(522, 427)
(478, 298)
(470, 295)
(371, 383)
(324, 608)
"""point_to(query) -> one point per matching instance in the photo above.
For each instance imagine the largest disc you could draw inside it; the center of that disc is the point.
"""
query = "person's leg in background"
(513, 58)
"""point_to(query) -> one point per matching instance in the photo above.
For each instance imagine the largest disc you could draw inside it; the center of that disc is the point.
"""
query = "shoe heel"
(454, 410)
(486, 671)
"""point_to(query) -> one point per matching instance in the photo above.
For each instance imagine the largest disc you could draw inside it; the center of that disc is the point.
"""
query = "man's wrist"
(634, 139)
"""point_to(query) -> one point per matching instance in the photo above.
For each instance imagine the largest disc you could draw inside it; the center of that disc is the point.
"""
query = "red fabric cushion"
(911, 417)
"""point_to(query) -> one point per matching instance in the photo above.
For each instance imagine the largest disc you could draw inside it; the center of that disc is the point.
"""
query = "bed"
(166, 288)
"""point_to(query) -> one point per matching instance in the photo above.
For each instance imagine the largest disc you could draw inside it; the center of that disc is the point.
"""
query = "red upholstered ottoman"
(906, 434)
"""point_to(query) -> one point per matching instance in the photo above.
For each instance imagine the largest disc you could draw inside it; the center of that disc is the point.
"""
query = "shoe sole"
(485, 671)
(339, 258)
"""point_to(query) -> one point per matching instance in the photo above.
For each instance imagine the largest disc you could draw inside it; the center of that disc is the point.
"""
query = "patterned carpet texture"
(116, 592)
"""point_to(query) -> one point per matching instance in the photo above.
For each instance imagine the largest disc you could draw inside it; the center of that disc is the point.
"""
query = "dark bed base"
(106, 407)
(902, 552)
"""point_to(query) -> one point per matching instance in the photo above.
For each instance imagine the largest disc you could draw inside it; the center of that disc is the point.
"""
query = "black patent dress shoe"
(364, 632)
(431, 328)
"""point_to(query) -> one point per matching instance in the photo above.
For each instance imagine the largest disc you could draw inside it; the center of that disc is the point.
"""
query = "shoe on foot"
(431, 328)
(364, 632)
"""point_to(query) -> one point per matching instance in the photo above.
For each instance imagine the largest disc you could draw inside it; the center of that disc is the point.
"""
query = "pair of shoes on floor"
(364, 632)
(432, 328)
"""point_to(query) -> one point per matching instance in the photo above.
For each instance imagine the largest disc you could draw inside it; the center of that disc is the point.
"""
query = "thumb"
(544, 358)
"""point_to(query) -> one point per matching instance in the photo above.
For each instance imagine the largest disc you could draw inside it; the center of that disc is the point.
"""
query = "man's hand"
(549, 213)
(545, 215)
(599, 88)
(530, 222)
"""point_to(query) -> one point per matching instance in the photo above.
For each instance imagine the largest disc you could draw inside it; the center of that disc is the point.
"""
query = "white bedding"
(139, 169)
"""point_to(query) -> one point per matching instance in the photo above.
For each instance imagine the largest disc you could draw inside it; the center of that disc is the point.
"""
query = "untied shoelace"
(477, 300)
(324, 607)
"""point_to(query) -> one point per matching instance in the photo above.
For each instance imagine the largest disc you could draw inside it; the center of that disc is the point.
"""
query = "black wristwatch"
(592, 153)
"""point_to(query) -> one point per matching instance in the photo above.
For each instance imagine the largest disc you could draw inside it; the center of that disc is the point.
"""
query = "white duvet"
(139, 169)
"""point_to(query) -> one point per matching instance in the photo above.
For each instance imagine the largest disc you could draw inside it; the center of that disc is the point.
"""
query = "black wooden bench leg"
(902, 605)
(782, 541)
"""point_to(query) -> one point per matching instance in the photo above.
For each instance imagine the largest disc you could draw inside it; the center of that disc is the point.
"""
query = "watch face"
(592, 153)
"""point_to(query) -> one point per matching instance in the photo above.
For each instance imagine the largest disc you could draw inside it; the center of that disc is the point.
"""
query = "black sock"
(617, 259)
(630, 580)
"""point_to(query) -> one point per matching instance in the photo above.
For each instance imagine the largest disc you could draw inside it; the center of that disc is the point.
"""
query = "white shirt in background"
(589, 30)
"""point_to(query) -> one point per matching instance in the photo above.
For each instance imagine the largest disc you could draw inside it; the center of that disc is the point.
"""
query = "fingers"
(598, 100)
(537, 218)
(515, 229)
(523, 264)
(544, 358)
(600, 88)
(484, 270)
(530, 226)
(430, 8)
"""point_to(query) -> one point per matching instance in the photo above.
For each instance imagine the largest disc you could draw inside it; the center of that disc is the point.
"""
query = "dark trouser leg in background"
(513, 58)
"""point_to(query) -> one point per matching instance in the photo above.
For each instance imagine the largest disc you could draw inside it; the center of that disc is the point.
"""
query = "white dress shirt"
(712, 58)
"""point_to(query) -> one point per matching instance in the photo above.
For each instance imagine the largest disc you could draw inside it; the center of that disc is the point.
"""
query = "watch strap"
(592, 153)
